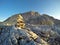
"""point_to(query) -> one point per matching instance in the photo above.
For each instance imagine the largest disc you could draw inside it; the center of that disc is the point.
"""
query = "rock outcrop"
(14, 36)
(20, 22)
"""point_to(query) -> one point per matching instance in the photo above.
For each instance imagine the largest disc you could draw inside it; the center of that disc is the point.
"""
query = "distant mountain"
(28, 15)
(34, 18)
(11, 20)
(41, 20)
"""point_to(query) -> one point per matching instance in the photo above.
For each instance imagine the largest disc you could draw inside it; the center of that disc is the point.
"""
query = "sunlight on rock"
(20, 22)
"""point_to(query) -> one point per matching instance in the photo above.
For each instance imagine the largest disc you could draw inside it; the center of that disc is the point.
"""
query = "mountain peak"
(34, 13)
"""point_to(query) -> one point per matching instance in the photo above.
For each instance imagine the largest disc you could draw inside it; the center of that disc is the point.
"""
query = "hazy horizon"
(11, 7)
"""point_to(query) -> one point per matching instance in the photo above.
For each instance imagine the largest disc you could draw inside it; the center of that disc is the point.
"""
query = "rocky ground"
(35, 35)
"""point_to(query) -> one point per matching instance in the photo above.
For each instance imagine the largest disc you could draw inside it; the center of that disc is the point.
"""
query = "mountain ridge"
(33, 17)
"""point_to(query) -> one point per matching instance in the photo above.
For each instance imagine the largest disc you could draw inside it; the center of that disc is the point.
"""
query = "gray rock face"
(35, 35)
(13, 36)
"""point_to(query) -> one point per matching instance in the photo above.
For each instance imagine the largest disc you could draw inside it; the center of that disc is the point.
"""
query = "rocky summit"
(30, 28)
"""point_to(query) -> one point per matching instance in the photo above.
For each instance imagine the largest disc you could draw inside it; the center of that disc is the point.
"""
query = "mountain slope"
(33, 18)
(37, 30)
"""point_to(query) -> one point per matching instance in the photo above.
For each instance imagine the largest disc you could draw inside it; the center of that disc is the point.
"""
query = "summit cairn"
(20, 22)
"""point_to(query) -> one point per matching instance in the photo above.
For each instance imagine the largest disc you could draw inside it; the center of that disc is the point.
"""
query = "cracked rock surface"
(9, 35)
(35, 35)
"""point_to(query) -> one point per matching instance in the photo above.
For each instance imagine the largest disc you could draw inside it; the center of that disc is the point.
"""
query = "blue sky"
(11, 7)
